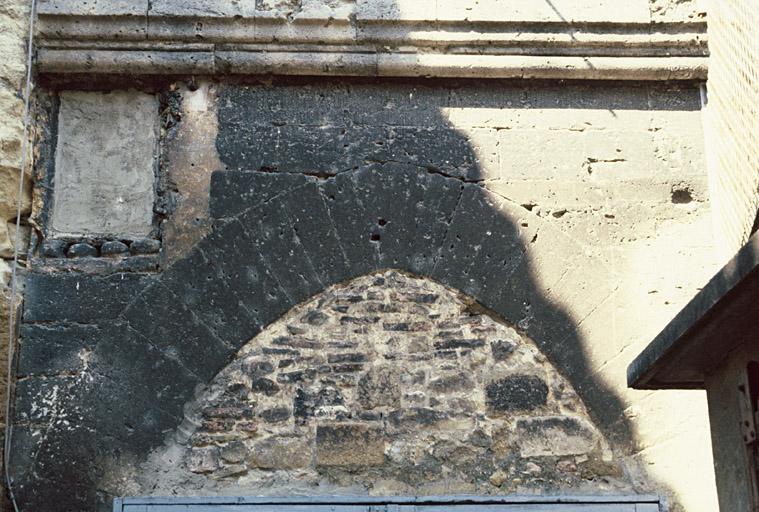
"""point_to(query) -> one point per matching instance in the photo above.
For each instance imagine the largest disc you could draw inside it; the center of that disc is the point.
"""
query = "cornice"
(332, 41)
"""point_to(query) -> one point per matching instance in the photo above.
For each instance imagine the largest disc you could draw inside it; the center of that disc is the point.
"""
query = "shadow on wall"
(325, 183)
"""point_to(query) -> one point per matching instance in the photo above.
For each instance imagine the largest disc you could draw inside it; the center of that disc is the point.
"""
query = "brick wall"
(732, 130)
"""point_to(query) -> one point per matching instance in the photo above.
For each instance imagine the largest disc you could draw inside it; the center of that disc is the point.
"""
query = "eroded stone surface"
(105, 158)
(389, 380)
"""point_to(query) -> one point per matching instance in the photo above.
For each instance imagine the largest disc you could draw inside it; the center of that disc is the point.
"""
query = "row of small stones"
(58, 248)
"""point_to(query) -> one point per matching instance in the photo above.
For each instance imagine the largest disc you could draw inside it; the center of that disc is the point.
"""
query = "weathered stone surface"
(554, 436)
(349, 445)
(159, 316)
(560, 233)
(81, 250)
(113, 248)
(517, 393)
(54, 349)
(126, 123)
(380, 386)
(79, 297)
(234, 192)
(280, 453)
(316, 397)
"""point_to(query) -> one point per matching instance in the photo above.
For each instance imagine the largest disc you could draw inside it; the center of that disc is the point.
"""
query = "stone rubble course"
(389, 382)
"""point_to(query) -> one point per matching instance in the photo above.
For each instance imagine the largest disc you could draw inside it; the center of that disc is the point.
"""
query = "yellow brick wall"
(732, 121)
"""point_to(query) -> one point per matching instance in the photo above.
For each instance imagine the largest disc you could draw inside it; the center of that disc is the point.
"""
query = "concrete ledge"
(720, 317)
(329, 43)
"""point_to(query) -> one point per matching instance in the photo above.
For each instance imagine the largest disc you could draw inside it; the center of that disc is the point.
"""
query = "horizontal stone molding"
(344, 44)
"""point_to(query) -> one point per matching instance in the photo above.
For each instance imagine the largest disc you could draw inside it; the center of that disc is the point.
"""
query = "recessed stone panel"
(105, 164)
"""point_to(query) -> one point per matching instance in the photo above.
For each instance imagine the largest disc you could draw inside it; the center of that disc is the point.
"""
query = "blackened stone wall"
(110, 360)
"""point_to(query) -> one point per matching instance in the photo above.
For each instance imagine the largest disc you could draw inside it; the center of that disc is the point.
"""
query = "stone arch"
(281, 238)
(390, 384)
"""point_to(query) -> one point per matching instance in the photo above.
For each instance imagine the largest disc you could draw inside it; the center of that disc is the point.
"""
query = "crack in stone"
(303, 247)
(444, 239)
(333, 225)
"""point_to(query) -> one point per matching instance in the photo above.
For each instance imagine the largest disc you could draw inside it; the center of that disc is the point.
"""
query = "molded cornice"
(366, 38)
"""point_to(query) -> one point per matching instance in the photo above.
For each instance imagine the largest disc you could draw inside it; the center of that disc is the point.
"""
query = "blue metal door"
(394, 504)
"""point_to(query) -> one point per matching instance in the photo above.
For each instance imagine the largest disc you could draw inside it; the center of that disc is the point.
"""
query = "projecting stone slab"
(104, 164)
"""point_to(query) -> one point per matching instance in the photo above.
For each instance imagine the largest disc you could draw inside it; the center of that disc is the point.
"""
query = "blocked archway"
(278, 240)
(389, 384)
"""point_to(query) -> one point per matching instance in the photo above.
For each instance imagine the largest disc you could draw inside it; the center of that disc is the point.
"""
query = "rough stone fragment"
(280, 452)
(452, 383)
(414, 416)
(554, 436)
(502, 349)
(81, 250)
(308, 401)
(113, 248)
(54, 248)
(266, 386)
(257, 369)
(275, 414)
(517, 393)
(203, 460)
(349, 445)
(379, 387)
(145, 246)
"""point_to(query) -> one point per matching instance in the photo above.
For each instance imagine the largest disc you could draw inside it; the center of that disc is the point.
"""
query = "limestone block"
(8, 205)
(349, 445)
(200, 8)
(280, 452)
(93, 7)
(554, 436)
(396, 10)
(13, 27)
(554, 11)
(105, 158)
(12, 127)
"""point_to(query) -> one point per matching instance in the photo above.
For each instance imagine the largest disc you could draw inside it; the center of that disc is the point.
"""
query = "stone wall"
(13, 30)
(733, 91)
(555, 204)
(388, 384)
